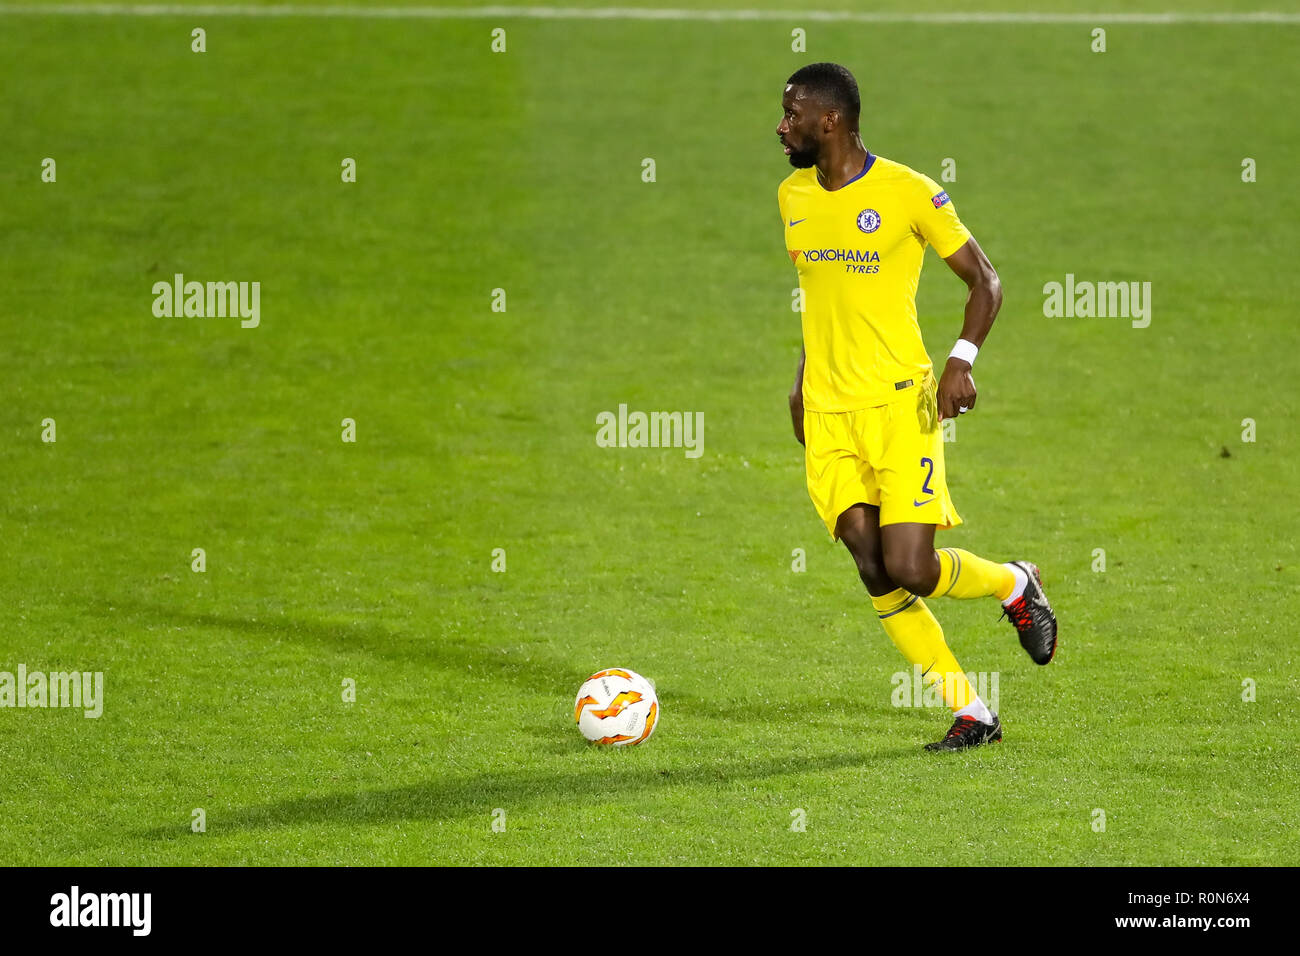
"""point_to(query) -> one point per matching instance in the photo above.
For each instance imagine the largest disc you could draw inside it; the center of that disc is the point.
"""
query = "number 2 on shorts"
(925, 485)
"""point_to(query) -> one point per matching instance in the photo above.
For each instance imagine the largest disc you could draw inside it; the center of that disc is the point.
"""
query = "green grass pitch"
(371, 561)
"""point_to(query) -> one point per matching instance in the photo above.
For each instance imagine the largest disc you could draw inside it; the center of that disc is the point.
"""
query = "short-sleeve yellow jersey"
(859, 251)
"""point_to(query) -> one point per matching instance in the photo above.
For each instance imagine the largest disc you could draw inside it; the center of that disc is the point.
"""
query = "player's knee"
(871, 568)
(914, 572)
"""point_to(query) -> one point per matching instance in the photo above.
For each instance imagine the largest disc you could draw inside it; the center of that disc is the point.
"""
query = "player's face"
(798, 130)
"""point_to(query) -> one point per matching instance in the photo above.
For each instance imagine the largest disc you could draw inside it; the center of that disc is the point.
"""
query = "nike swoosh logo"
(917, 504)
(795, 222)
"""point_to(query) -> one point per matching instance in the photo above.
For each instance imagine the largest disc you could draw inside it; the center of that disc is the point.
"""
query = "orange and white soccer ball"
(616, 707)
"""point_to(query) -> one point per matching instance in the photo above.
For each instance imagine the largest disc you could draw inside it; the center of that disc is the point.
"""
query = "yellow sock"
(916, 633)
(966, 575)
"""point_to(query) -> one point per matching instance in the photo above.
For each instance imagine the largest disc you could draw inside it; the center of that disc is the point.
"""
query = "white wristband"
(966, 351)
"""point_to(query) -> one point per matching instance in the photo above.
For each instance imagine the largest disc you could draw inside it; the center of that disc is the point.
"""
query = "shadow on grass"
(528, 669)
(478, 794)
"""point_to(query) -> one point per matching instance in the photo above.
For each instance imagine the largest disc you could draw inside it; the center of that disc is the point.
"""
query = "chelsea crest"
(868, 220)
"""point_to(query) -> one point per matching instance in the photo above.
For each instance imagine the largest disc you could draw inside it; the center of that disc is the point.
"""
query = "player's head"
(821, 102)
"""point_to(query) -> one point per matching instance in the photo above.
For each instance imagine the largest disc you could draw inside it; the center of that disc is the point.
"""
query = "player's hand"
(796, 414)
(956, 389)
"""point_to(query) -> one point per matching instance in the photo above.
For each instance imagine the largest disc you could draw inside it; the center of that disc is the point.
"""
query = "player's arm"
(796, 399)
(796, 393)
(956, 386)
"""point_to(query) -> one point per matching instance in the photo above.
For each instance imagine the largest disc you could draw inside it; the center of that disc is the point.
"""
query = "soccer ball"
(616, 707)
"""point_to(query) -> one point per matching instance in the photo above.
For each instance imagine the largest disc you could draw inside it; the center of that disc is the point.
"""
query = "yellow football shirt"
(859, 251)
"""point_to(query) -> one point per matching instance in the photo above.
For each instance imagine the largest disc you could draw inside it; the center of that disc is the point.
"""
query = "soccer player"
(865, 402)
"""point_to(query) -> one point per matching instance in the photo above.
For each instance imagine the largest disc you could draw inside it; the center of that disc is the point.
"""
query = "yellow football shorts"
(889, 455)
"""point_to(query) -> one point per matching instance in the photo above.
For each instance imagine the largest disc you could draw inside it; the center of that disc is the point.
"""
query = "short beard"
(803, 158)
